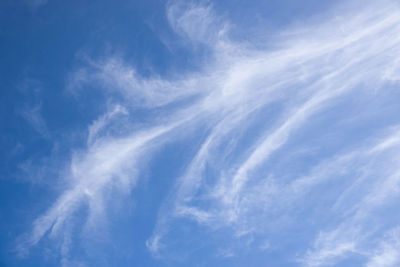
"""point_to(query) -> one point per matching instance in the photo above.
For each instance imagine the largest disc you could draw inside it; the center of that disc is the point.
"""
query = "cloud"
(98, 125)
(34, 117)
(307, 76)
(359, 203)
(118, 79)
(280, 130)
(197, 23)
(106, 163)
(388, 253)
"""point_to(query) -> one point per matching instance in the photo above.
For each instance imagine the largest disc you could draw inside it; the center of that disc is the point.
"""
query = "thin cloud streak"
(252, 104)
(353, 61)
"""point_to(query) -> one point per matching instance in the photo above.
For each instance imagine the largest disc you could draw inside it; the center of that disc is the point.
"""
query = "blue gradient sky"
(199, 133)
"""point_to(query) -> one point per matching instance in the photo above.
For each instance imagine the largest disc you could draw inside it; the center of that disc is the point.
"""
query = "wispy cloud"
(373, 188)
(33, 116)
(98, 125)
(310, 74)
(388, 252)
(260, 111)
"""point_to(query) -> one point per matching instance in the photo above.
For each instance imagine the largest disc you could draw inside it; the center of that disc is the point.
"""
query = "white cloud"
(104, 120)
(106, 163)
(388, 253)
(115, 77)
(197, 23)
(33, 116)
(306, 77)
(253, 105)
(375, 187)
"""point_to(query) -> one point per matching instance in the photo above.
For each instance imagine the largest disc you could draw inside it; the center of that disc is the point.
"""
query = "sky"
(200, 133)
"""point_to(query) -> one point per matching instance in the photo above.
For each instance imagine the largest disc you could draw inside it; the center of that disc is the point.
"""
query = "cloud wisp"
(281, 129)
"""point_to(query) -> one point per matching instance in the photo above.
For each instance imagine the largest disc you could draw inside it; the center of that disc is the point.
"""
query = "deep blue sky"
(199, 133)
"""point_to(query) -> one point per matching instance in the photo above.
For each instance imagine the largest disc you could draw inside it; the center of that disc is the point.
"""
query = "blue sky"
(200, 133)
